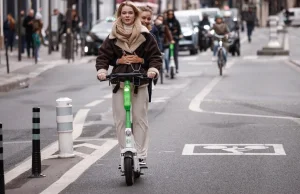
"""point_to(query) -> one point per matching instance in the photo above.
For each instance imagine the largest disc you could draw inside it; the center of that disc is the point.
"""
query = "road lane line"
(108, 96)
(49, 150)
(74, 173)
(195, 104)
(103, 132)
(94, 103)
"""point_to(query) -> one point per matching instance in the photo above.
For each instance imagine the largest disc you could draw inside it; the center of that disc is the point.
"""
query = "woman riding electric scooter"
(126, 48)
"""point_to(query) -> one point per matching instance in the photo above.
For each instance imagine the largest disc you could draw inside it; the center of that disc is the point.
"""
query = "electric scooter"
(130, 165)
(172, 62)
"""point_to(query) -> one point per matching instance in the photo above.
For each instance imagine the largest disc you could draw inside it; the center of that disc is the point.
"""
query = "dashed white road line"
(108, 96)
(94, 103)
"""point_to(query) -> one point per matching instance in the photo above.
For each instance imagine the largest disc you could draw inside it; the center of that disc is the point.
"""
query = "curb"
(20, 81)
(295, 63)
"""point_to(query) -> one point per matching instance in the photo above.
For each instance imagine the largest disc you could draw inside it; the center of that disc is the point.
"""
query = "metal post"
(50, 28)
(174, 5)
(69, 31)
(6, 55)
(19, 31)
(2, 181)
(1, 24)
(36, 147)
(64, 119)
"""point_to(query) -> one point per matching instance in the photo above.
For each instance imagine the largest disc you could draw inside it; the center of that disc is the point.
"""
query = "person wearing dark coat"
(175, 29)
(28, 25)
(9, 29)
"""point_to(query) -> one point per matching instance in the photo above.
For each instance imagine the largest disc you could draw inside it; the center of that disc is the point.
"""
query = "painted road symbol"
(233, 149)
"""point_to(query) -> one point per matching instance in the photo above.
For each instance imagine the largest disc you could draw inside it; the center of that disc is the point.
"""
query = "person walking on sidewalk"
(250, 18)
(36, 42)
(128, 46)
(28, 25)
(22, 34)
(9, 28)
(175, 29)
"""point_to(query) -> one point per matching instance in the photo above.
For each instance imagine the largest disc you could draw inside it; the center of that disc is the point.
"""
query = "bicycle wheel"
(128, 168)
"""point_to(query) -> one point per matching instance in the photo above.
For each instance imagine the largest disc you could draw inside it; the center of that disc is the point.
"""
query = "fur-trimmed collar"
(133, 47)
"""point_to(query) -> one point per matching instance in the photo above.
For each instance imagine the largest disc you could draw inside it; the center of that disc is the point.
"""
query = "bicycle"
(130, 165)
(220, 53)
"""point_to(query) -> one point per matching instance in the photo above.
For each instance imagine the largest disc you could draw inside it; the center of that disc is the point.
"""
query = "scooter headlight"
(206, 27)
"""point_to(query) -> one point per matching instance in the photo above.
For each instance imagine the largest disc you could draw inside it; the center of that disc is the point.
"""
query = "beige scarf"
(127, 37)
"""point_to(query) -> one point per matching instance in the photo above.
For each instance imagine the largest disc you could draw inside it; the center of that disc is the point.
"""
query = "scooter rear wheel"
(129, 174)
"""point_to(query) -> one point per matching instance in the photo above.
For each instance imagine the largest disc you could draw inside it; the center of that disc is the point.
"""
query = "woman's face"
(127, 15)
(219, 20)
(146, 18)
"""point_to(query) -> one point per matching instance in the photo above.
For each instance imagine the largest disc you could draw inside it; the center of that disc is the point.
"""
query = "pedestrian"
(250, 18)
(128, 46)
(166, 39)
(60, 28)
(36, 42)
(38, 26)
(175, 29)
(22, 31)
(9, 29)
(146, 19)
(28, 25)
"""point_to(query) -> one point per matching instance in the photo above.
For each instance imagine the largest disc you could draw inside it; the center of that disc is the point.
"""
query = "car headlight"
(89, 38)
(189, 33)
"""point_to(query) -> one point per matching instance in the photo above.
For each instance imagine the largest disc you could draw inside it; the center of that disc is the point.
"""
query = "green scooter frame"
(172, 62)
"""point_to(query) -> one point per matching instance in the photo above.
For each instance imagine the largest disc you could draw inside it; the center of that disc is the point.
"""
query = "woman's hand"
(129, 59)
(102, 76)
(151, 74)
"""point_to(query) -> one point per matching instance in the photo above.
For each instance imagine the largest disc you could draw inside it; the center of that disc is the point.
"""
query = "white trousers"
(139, 111)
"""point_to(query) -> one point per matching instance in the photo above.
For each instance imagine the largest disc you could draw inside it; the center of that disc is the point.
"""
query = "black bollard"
(36, 147)
(2, 184)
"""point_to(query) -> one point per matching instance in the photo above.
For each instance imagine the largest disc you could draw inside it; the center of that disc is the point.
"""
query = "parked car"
(189, 27)
(97, 35)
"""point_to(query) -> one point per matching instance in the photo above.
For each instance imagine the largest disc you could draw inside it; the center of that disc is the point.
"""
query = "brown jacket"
(145, 47)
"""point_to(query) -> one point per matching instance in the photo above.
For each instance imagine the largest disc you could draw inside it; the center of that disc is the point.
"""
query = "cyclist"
(128, 46)
(220, 28)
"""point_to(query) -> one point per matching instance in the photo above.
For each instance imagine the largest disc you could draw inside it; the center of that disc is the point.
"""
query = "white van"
(295, 17)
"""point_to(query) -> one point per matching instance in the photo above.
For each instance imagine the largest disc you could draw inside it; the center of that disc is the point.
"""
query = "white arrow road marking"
(74, 173)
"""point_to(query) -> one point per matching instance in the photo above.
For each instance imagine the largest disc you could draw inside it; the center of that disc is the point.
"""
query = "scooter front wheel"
(128, 168)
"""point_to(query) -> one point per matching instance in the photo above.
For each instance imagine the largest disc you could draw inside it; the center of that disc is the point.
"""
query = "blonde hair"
(130, 4)
(145, 9)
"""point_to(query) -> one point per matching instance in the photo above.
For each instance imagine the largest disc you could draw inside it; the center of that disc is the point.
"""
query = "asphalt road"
(254, 106)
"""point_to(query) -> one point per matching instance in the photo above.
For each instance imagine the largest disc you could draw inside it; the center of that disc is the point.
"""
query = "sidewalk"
(21, 72)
